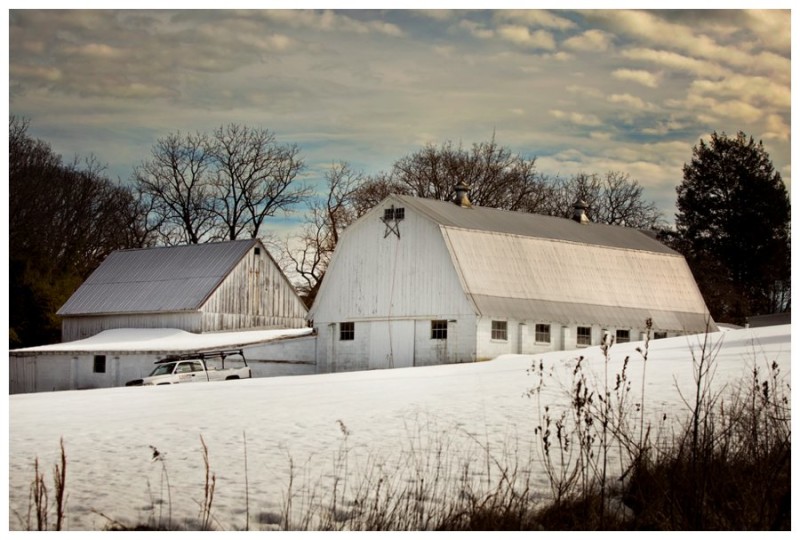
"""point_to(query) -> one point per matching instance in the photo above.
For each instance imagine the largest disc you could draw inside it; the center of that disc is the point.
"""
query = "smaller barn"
(140, 305)
(114, 357)
(198, 288)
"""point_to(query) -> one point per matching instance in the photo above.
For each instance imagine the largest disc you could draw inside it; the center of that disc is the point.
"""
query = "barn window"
(623, 336)
(394, 213)
(584, 335)
(347, 331)
(257, 251)
(99, 363)
(438, 329)
(543, 333)
(659, 335)
(500, 330)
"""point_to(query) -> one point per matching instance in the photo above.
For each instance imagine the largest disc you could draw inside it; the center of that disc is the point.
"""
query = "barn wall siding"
(375, 275)
(459, 347)
(75, 371)
(283, 357)
(391, 288)
(382, 344)
(70, 371)
(255, 294)
(74, 328)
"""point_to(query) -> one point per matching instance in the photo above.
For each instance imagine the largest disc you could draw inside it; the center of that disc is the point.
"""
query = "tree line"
(66, 217)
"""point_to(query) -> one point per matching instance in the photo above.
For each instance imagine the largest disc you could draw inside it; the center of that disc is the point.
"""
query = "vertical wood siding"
(373, 276)
(255, 294)
(73, 328)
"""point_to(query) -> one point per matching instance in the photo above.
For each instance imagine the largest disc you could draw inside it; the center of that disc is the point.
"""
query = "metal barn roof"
(161, 279)
(480, 218)
(130, 340)
(532, 267)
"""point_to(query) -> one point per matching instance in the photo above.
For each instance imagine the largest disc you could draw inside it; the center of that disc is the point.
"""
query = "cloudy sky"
(583, 91)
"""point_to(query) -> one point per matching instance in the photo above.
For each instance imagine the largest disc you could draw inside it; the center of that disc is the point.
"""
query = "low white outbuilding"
(114, 357)
(419, 282)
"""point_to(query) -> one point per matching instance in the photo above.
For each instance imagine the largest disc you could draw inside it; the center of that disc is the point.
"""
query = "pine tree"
(733, 223)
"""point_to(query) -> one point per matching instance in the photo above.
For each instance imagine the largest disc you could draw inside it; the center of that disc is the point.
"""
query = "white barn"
(140, 305)
(199, 288)
(419, 282)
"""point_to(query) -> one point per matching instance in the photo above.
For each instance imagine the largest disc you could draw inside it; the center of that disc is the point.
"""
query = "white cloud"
(776, 128)
(773, 28)
(674, 61)
(645, 78)
(535, 17)
(329, 21)
(752, 89)
(579, 119)
(591, 40)
(632, 102)
(520, 35)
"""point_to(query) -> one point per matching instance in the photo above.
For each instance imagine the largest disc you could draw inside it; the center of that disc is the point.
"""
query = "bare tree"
(254, 178)
(328, 216)
(613, 199)
(199, 188)
(178, 183)
(497, 177)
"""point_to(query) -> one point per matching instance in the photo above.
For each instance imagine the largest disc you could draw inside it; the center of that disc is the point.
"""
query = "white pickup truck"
(194, 367)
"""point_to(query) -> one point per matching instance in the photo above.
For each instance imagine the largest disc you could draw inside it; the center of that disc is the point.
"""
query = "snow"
(389, 415)
(167, 339)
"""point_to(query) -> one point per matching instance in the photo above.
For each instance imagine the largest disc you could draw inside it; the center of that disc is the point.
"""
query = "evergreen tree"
(733, 227)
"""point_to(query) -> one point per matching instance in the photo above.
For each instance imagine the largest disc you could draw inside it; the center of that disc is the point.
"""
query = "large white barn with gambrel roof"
(420, 282)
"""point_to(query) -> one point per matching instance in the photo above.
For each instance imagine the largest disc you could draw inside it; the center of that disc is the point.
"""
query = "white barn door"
(391, 344)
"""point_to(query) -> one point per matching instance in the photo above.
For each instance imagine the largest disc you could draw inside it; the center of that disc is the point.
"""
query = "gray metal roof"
(534, 225)
(162, 279)
(528, 309)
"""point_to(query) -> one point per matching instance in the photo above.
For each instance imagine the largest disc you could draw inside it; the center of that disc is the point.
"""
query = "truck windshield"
(163, 369)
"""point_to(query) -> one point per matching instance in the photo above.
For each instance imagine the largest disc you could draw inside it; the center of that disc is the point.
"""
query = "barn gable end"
(197, 288)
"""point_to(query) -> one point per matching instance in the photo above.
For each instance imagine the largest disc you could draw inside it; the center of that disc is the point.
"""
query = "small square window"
(543, 333)
(257, 251)
(394, 213)
(99, 363)
(500, 330)
(584, 335)
(623, 336)
(438, 329)
(347, 331)
(659, 335)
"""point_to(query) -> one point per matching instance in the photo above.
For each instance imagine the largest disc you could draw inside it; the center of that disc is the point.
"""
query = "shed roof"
(130, 340)
(161, 279)
(481, 218)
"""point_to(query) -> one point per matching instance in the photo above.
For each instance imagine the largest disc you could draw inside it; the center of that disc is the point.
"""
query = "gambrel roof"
(160, 279)
(530, 267)
(479, 218)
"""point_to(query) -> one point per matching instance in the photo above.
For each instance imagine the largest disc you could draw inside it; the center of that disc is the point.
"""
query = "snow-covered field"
(387, 414)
